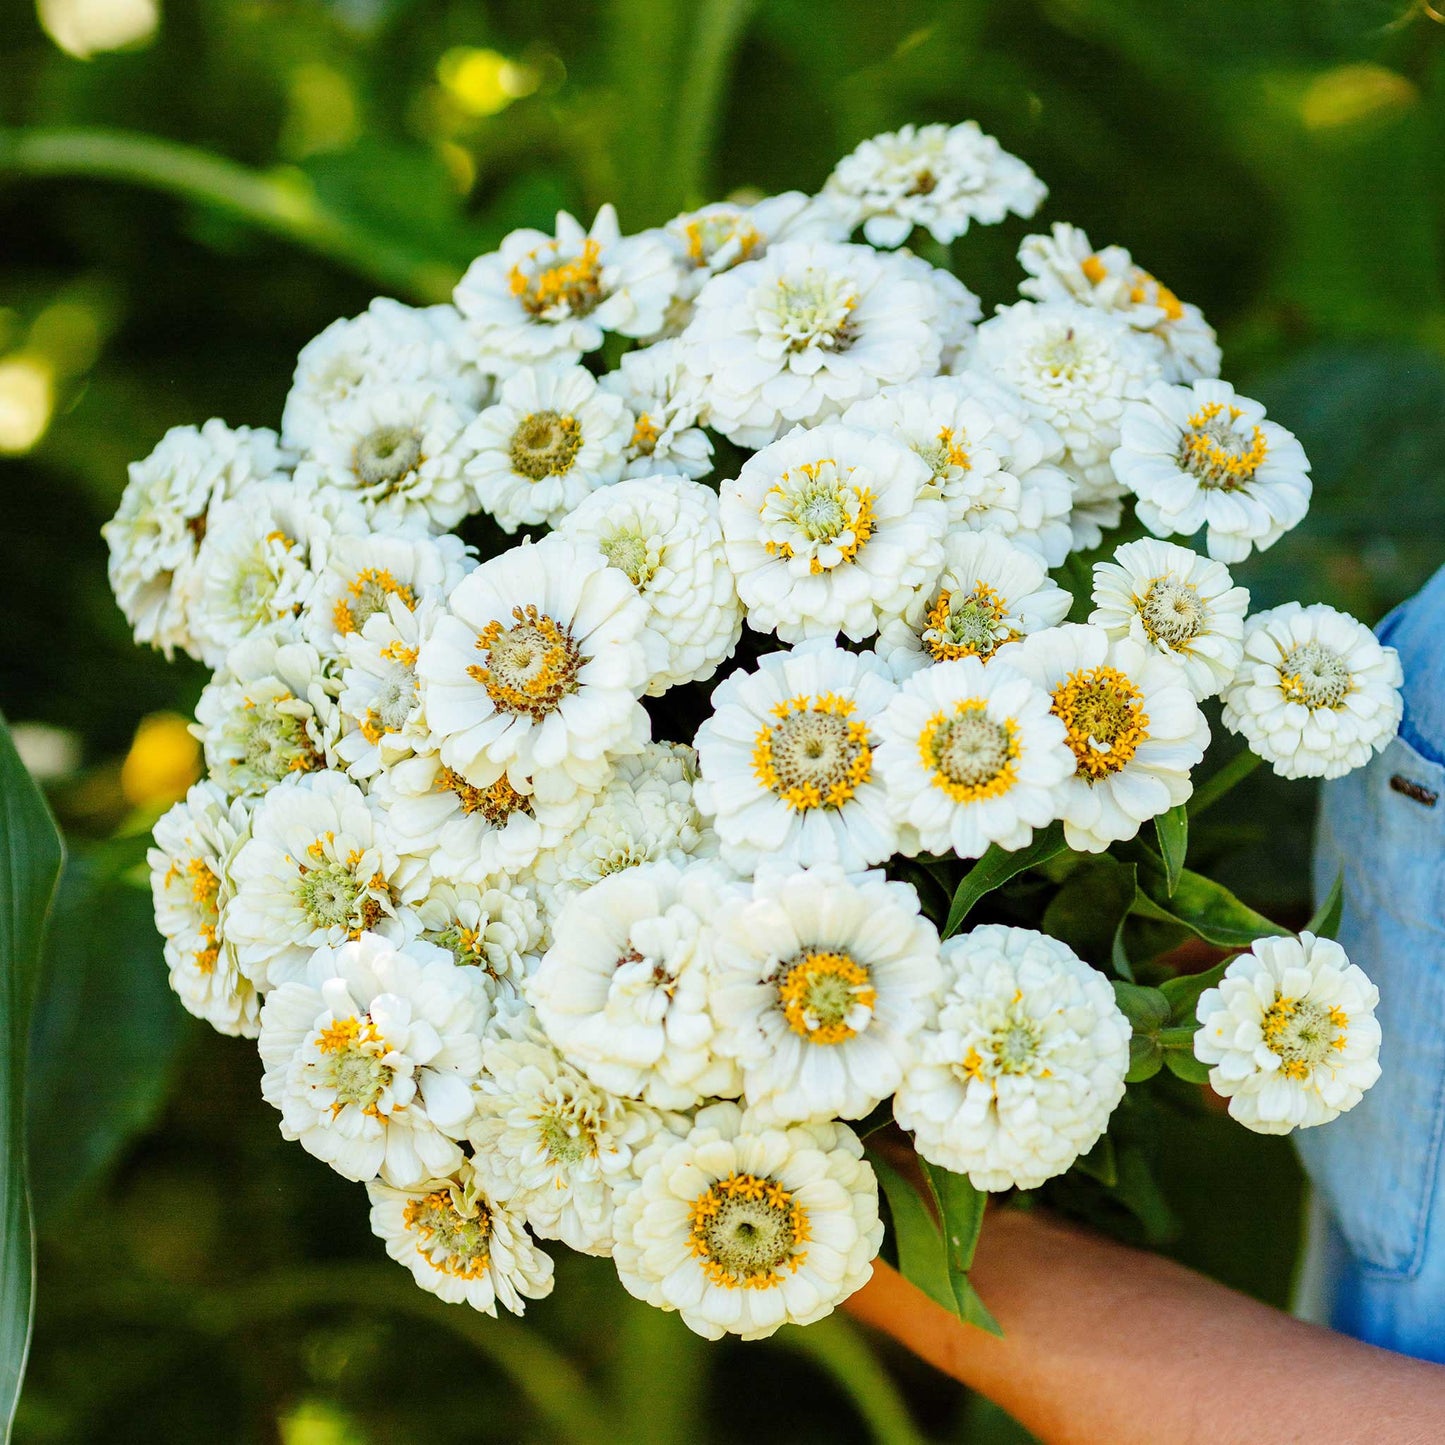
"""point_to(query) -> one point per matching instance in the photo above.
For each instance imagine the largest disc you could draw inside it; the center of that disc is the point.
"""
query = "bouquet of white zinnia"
(777, 785)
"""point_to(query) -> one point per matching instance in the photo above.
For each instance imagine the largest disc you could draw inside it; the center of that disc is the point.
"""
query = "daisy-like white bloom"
(831, 530)
(468, 833)
(970, 755)
(1076, 368)
(257, 565)
(666, 437)
(939, 177)
(194, 843)
(164, 514)
(664, 532)
(787, 760)
(819, 984)
(493, 930)
(362, 574)
(743, 1228)
(380, 702)
(547, 298)
(533, 673)
(994, 465)
(801, 334)
(549, 1143)
(644, 814)
(401, 450)
(387, 345)
(268, 715)
(319, 868)
(1290, 1034)
(1202, 456)
(1177, 602)
(989, 593)
(460, 1244)
(1131, 722)
(1316, 694)
(372, 1057)
(552, 437)
(622, 991)
(1018, 1076)
(1063, 266)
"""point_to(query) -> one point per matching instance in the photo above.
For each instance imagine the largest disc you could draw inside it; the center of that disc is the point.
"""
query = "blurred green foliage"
(180, 216)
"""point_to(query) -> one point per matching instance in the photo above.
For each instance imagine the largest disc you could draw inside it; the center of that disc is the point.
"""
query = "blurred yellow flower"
(1350, 94)
(27, 399)
(82, 28)
(164, 760)
(484, 82)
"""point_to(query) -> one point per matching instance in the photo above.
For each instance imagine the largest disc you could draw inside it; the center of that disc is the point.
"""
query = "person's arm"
(1105, 1345)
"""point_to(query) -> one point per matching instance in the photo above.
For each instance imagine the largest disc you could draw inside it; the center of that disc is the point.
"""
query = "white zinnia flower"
(361, 574)
(1202, 456)
(994, 465)
(787, 760)
(664, 532)
(372, 1059)
(493, 930)
(257, 566)
(1132, 724)
(940, 177)
(389, 344)
(469, 833)
(989, 593)
(459, 1244)
(970, 755)
(646, 812)
(164, 514)
(622, 991)
(400, 450)
(550, 299)
(550, 1144)
(666, 437)
(831, 530)
(380, 702)
(318, 868)
(268, 715)
(806, 331)
(1077, 369)
(1290, 1034)
(819, 984)
(552, 437)
(194, 843)
(743, 1228)
(1316, 694)
(535, 669)
(1063, 266)
(1025, 1064)
(1177, 602)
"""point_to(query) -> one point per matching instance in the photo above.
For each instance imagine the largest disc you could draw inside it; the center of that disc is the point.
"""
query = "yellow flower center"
(1315, 675)
(366, 594)
(352, 1064)
(826, 996)
(545, 444)
(496, 802)
(817, 755)
(531, 666)
(970, 755)
(551, 287)
(967, 624)
(451, 1242)
(1171, 612)
(815, 310)
(748, 1232)
(645, 433)
(708, 235)
(1303, 1034)
(1218, 452)
(813, 511)
(1103, 715)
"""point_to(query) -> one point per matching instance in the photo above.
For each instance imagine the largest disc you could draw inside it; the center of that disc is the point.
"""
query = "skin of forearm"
(1105, 1345)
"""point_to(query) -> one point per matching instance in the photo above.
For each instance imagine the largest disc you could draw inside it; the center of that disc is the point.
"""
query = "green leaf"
(93, 1089)
(1138, 1192)
(1088, 912)
(1147, 1009)
(995, 869)
(1213, 788)
(1326, 922)
(30, 857)
(1100, 1163)
(1208, 909)
(961, 1209)
(1186, 1066)
(1146, 1058)
(1173, 830)
(922, 1258)
(1183, 991)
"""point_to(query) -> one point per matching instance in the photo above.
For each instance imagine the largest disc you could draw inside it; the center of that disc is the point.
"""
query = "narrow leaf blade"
(1326, 922)
(921, 1255)
(1172, 829)
(995, 869)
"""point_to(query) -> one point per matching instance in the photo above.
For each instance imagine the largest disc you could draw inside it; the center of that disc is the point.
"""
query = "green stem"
(1235, 771)
(835, 1346)
(282, 203)
(717, 32)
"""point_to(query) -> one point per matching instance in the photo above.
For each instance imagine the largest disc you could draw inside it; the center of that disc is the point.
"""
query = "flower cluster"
(585, 890)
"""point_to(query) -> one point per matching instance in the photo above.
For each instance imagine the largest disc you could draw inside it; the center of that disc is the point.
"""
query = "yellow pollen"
(817, 755)
(1209, 459)
(819, 990)
(644, 435)
(953, 452)
(1094, 270)
(530, 667)
(575, 285)
(768, 1248)
(969, 755)
(1103, 714)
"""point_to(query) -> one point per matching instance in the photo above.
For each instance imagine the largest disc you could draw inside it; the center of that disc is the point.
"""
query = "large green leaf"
(995, 869)
(1206, 908)
(922, 1258)
(93, 1088)
(960, 1210)
(30, 857)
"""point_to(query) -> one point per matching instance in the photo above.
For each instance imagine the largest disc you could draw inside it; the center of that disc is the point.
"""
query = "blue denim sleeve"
(1378, 1167)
